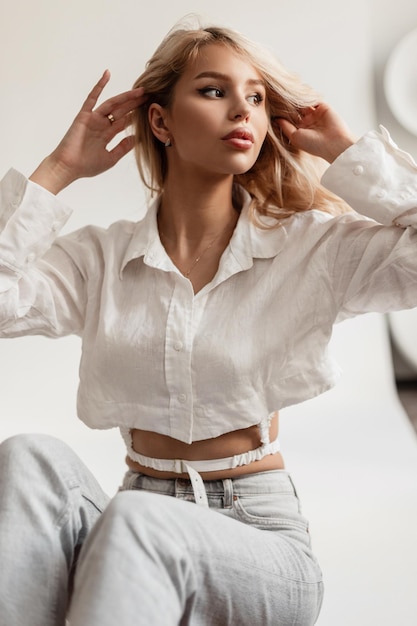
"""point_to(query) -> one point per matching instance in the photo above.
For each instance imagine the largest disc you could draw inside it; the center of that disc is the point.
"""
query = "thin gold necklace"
(203, 252)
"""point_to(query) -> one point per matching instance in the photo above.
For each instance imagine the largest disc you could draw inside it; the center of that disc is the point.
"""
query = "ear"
(157, 116)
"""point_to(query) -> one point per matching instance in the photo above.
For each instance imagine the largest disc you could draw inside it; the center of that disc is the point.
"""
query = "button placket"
(178, 344)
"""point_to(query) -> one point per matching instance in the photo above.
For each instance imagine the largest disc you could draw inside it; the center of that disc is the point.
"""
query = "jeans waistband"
(268, 482)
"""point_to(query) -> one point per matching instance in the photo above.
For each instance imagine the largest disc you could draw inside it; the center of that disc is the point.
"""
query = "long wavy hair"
(283, 180)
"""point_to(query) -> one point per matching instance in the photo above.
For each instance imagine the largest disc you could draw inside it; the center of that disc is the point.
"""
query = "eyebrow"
(225, 77)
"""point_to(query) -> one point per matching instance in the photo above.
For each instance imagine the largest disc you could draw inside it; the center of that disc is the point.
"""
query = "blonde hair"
(283, 180)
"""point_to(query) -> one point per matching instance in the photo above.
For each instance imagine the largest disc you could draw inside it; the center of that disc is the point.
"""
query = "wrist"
(52, 175)
(336, 148)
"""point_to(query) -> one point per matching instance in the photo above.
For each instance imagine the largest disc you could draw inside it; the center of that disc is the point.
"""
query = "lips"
(240, 133)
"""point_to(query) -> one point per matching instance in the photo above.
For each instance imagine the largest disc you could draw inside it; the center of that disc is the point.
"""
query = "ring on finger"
(111, 118)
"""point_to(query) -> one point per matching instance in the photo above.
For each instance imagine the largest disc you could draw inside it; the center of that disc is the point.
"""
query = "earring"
(168, 143)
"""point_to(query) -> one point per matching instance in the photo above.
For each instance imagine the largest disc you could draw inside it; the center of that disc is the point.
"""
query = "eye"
(212, 92)
(256, 98)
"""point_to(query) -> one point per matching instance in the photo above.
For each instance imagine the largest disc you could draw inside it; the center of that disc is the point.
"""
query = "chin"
(242, 168)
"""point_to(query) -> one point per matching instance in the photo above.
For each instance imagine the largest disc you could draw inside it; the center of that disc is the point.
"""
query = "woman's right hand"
(83, 150)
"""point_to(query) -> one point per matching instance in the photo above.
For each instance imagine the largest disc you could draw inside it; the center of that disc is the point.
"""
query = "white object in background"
(400, 82)
(403, 327)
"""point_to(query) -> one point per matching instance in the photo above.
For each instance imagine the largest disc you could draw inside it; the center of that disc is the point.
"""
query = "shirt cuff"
(30, 219)
(376, 179)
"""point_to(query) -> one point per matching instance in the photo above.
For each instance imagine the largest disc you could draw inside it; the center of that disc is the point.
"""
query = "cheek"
(197, 132)
(190, 125)
(264, 124)
(262, 133)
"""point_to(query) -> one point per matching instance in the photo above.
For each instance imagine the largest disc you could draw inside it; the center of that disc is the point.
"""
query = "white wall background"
(52, 51)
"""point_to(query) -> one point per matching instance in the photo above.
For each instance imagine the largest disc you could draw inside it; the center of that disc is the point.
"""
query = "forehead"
(221, 59)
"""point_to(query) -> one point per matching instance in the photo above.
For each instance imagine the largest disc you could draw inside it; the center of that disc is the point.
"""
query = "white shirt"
(157, 357)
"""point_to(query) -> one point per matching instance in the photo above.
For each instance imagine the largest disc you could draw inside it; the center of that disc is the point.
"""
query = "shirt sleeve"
(371, 252)
(41, 288)
(377, 179)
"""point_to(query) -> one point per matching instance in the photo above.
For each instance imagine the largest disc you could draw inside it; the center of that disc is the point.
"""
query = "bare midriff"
(237, 442)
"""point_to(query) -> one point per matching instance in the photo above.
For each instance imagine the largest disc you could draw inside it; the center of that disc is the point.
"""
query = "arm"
(372, 174)
(377, 179)
(42, 285)
(374, 261)
(372, 267)
(35, 296)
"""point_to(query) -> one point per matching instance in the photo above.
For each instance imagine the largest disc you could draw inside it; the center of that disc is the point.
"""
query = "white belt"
(192, 468)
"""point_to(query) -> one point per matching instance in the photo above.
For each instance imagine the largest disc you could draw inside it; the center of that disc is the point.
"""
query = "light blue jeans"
(151, 556)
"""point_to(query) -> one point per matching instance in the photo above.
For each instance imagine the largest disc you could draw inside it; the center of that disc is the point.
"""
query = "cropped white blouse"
(157, 357)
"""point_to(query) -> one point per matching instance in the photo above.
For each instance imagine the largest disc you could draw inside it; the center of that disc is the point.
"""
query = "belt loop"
(227, 493)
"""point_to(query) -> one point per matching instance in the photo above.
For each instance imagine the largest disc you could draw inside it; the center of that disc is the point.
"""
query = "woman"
(198, 324)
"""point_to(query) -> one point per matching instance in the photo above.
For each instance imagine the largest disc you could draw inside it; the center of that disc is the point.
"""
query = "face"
(217, 121)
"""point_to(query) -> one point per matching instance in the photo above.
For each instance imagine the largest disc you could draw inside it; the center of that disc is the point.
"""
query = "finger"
(306, 110)
(91, 100)
(123, 102)
(287, 127)
(122, 148)
(115, 128)
(309, 115)
(119, 119)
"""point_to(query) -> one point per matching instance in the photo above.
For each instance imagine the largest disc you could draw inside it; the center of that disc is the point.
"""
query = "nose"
(240, 109)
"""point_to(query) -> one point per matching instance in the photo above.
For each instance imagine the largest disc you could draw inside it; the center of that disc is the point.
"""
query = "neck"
(196, 210)
(196, 221)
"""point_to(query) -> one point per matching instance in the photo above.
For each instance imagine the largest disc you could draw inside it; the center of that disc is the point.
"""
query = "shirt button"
(381, 193)
(182, 398)
(31, 257)
(55, 227)
(178, 346)
(358, 170)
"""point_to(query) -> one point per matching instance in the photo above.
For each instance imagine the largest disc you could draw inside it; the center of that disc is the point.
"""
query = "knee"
(31, 443)
(131, 508)
(143, 515)
(30, 482)
(155, 520)
(120, 527)
(137, 525)
(27, 450)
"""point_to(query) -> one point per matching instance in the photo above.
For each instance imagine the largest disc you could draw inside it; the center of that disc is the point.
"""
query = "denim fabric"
(156, 558)
(151, 556)
(49, 502)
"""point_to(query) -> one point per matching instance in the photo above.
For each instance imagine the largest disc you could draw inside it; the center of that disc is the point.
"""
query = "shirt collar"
(248, 241)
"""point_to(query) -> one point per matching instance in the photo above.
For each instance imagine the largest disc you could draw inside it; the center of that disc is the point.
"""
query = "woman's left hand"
(319, 131)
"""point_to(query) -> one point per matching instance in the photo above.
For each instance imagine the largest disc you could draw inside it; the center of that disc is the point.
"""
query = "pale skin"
(218, 94)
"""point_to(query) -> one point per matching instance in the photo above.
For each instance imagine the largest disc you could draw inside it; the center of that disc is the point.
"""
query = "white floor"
(353, 454)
